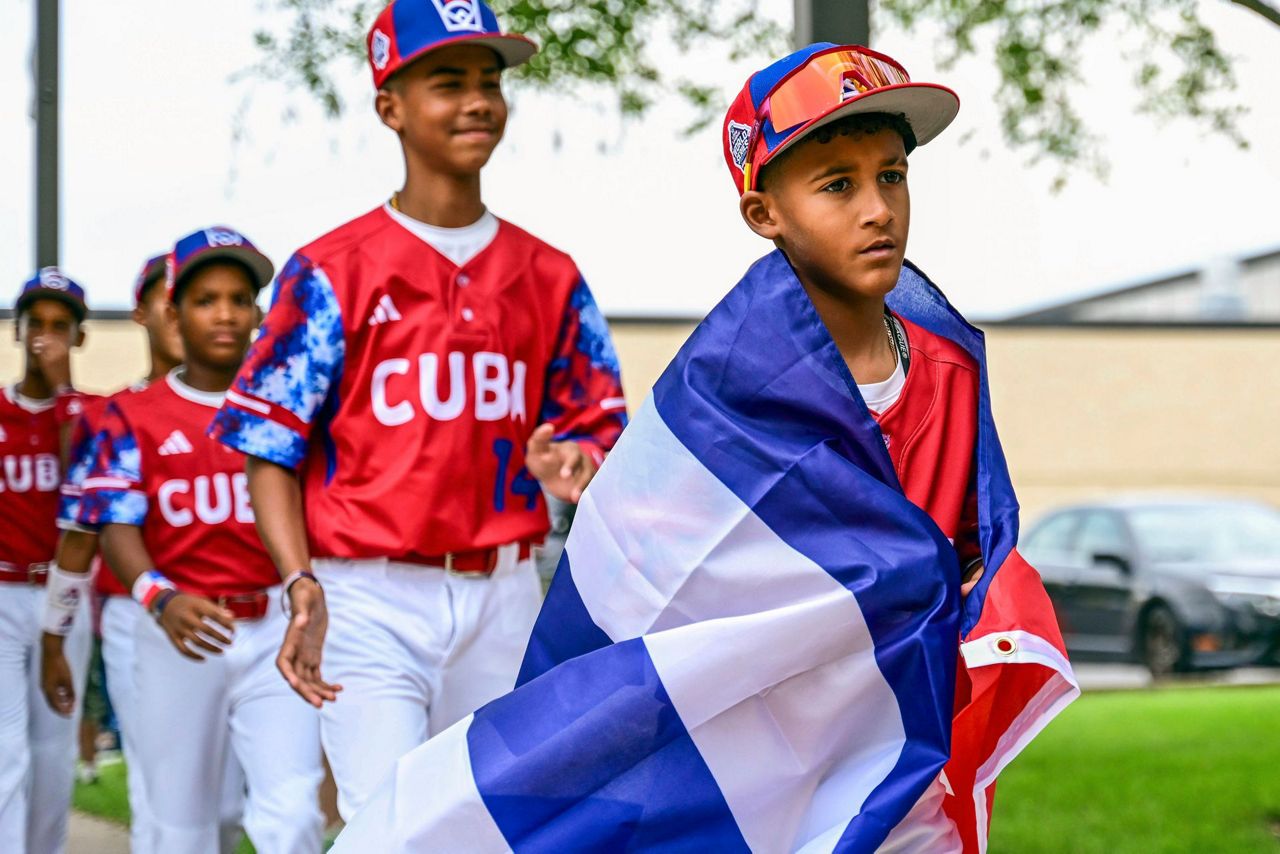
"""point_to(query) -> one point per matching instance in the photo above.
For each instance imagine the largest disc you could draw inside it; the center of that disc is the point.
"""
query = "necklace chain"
(893, 341)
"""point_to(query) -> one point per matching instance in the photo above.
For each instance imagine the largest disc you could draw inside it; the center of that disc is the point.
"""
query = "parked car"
(1177, 584)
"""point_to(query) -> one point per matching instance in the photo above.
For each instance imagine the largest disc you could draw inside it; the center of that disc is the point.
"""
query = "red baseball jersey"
(30, 473)
(156, 468)
(406, 387)
(931, 431)
(81, 453)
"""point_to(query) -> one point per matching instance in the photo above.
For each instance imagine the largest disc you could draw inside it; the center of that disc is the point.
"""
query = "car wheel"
(1162, 642)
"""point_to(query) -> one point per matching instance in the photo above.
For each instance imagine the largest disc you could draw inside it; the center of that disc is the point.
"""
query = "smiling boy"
(424, 372)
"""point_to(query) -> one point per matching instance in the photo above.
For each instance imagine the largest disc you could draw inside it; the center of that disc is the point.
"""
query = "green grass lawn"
(1173, 770)
(1143, 772)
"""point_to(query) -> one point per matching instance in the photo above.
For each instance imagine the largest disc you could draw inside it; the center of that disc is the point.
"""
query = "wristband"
(161, 599)
(148, 586)
(63, 593)
(290, 580)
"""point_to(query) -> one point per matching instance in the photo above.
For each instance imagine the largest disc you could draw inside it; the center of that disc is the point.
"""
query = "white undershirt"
(30, 404)
(212, 399)
(880, 396)
(459, 245)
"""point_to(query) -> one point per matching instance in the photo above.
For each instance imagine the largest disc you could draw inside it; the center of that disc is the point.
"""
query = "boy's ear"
(757, 212)
(138, 315)
(79, 342)
(387, 103)
(170, 311)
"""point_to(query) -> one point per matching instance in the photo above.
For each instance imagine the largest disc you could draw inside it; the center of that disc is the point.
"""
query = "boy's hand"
(563, 468)
(193, 621)
(52, 355)
(971, 578)
(299, 658)
(55, 676)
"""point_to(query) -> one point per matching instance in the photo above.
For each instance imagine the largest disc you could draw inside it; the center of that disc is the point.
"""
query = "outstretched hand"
(562, 468)
(299, 658)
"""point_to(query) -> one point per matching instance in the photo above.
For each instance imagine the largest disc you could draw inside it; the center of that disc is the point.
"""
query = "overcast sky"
(650, 216)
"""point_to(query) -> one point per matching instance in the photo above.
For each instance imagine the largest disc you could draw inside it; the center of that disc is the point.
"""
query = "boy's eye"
(893, 176)
(839, 185)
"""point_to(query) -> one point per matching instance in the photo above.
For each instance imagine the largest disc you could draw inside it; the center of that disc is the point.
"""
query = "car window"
(1052, 540)
(1101, 533)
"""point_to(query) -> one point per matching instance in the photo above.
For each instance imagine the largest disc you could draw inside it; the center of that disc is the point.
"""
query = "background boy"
(37, 747)
(389, 409)
(177, 528)
(78, 545)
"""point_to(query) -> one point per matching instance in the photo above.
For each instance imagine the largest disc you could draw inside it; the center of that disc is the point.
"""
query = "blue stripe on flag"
(595, 758)
(564, 629)
(920, 301)
(765, 419)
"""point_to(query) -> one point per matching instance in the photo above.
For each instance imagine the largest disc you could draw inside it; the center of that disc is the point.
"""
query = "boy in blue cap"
(37, 746)
(424, 372)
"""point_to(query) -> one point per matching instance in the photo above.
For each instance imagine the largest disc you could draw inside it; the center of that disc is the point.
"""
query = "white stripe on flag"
(734, 620)
(452, 813)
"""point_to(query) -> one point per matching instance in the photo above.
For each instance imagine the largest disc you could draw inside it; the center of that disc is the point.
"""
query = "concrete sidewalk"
(91, 835)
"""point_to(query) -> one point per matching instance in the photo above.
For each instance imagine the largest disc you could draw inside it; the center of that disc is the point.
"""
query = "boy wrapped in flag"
(790, 615)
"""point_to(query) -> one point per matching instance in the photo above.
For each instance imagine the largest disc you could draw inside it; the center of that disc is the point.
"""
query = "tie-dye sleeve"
(81, 453)
(112, 492)
(290, 372)
(584, 384)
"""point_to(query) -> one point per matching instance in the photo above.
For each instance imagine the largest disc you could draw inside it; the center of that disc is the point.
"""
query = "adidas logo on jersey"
(177, 443)
(384, 312)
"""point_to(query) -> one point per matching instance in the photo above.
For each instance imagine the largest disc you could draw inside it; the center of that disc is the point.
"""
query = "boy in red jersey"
(424, 372)
(78, 547)
(37, 747)
(177, 528)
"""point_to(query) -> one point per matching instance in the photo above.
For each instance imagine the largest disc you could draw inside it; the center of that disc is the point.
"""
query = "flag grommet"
(1005, 646)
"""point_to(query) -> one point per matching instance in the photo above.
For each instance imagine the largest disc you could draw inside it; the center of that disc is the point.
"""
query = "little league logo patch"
(739, 139)
(380, 49)
(52, 278)
(460, 15)
(222, 237)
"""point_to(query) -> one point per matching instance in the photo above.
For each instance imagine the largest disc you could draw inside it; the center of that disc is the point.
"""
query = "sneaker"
(87, 773)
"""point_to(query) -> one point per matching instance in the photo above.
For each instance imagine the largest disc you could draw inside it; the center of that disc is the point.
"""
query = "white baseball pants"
(415, 649)
(37, 745)
(120, 615)
(191, 716)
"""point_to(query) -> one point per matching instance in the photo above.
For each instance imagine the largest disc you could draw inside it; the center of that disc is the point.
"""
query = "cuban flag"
(753, 641)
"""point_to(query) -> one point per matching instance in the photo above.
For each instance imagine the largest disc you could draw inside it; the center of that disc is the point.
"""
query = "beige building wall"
(1082, 412)
(1087, 412)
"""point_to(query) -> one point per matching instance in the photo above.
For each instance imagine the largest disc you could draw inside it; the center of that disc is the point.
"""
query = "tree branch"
(1271, 13)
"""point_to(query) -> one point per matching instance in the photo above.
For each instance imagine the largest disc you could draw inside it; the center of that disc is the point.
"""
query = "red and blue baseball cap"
(213, 244)
(407, 29)
(52, 283)
(153, 270)
(816, 85)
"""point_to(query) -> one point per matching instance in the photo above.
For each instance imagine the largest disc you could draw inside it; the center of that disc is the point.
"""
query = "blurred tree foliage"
(1176, 65)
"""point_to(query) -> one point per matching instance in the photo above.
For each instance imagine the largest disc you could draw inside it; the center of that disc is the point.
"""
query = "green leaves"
(607, 46)
(585, 44)
(1037, 48)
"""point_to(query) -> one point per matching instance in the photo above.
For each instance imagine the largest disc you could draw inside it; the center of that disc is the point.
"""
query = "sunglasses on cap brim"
(822, 83)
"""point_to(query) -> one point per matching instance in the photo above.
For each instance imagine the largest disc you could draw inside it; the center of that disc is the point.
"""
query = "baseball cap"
(209, 244)
(407, 29)
(781, 104)
(152, 270)
(52, 283)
